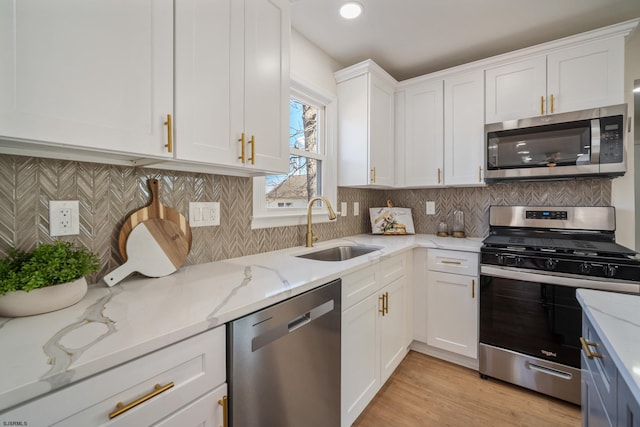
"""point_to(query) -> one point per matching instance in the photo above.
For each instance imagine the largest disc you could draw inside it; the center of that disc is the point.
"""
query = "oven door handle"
(553, 279)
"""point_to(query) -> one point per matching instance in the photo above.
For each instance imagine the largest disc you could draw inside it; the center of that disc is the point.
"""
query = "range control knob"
(502, 260)
(550, 264)
(518, 261)
(609, 270)
(585, 268)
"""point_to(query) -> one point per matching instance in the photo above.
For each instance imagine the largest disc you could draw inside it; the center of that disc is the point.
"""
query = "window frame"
(279, 217)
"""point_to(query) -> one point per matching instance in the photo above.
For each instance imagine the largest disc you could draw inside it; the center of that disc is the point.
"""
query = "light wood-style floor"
(425, 391)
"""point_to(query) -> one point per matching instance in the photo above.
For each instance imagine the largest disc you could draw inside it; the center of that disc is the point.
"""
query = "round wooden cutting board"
(154, 210)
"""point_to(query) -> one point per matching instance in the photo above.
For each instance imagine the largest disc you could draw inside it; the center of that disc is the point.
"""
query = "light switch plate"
(343, 209)
(431, 207)
(204, 214)
(64, 217)
(356, 208)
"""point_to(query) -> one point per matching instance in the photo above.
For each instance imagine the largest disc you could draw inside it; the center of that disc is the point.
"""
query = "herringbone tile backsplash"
(109, 194)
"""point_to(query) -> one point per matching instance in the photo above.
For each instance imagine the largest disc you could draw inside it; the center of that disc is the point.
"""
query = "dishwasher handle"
(280, 331)
(299, 322)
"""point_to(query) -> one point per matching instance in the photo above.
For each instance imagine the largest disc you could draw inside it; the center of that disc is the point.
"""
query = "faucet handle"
(314, 237)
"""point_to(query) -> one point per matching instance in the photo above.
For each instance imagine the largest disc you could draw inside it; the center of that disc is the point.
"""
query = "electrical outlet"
(343, 209)
(204, 214)
(356, 208)
(431, 207)
(64, 217)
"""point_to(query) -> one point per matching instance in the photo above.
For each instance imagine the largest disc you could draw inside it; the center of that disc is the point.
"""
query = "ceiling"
(409, 38)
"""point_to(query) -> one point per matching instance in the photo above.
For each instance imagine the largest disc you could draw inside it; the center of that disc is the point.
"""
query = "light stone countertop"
(616, 319)
(110, 326)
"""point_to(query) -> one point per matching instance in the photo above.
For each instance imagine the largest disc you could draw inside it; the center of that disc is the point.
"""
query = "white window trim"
(266, 218)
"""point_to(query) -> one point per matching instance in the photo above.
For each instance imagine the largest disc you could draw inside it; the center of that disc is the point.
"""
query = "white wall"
(623, 192)
(312, 65)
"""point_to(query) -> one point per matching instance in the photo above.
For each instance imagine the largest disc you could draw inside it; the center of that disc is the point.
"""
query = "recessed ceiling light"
(351, 10)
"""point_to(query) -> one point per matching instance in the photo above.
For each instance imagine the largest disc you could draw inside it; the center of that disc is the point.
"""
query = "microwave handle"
(595, 142)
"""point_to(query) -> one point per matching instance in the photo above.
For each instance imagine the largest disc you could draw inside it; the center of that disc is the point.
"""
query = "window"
(282, 199)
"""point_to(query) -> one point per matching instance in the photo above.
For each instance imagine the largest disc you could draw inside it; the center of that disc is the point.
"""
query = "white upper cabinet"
(586, 76)
(442, 142)
(100, 78)
(232, 68)
(464, 129)
(204, 69)
(423, 123)
(365, 126)
(97, 75)
(574, 77)
(516, 90)
(266, 84)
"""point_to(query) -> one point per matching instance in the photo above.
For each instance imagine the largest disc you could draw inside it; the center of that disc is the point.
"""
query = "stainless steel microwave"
(580, 143)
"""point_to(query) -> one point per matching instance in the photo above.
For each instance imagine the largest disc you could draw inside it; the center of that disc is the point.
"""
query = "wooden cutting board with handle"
(154, 210)
(156, 247)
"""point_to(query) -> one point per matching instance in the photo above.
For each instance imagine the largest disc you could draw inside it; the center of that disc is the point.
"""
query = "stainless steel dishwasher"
(284, 362)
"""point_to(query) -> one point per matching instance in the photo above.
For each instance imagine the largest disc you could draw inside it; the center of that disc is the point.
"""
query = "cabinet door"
(464, 129)
(353, 131)
(360, 357)
(393, 343)
(424, 134)
(381, 132)
(204, 59)
(514, 91)
(266, 84)
(587, 76)
(594, 414)
(207, 411)
(628, 406)
(98, 76)
(452, 313)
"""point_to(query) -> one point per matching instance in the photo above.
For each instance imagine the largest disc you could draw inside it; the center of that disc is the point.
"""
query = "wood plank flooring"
(425, 391)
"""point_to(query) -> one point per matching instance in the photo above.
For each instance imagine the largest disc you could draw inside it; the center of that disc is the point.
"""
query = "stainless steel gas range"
(532, 262)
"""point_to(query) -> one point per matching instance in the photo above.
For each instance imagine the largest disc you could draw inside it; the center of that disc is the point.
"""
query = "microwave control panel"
(611, 139)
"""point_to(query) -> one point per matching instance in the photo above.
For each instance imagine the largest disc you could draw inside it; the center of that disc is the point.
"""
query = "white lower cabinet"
(446, 306)
(452, 301)
(177, 385)
(207, 411)
(452, 313)
(374, 331)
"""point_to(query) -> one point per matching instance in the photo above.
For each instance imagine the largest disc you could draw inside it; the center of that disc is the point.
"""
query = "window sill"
(285, 220)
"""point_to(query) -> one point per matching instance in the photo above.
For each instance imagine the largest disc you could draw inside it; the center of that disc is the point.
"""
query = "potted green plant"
(49, 278)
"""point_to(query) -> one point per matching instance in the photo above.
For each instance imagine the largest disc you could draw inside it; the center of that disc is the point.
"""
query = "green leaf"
(47, 265)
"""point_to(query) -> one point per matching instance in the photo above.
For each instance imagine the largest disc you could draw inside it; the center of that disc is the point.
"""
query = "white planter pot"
(42, 300)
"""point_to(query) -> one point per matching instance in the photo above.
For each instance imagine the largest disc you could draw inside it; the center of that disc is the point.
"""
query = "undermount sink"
(340, 253)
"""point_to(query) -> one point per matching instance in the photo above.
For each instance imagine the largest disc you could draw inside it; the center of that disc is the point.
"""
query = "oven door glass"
(536, 319)
(565, 144)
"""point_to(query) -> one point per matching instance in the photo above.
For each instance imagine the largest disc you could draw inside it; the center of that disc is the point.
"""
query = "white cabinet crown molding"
(621, 29)
(364, 67)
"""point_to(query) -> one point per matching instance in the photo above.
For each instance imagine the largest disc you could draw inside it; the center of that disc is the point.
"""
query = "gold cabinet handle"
(386, 303)
(224, 402)
(479, 173)
(587, 351)
(542, 105)
(373, 175)
(241, 141)
(121, 408)
(473, 288)
(252, 141)
(381, 300)
(169, 124)
(439, 175)
(552, 103)
(451, 262)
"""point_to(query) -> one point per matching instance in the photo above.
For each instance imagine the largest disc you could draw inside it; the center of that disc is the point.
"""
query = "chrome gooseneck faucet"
(332, 215)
